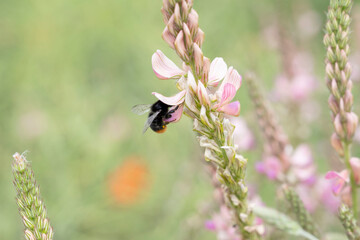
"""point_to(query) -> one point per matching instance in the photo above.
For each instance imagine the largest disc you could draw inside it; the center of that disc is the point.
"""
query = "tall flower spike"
(349, 223)
(31, 207)
(216, 133)
(302, 215)
(338, 71)
(272, 132)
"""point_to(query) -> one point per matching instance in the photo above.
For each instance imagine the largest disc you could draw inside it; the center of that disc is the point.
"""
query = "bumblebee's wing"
(150, 120)
(141, 109)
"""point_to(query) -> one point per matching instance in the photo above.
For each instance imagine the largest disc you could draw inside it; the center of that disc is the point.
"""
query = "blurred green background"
(70, 71)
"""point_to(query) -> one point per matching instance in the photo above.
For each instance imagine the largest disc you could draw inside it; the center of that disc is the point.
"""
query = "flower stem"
(352, 178)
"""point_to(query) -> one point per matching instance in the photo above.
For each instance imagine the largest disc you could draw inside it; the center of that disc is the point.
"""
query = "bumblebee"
(159, 112)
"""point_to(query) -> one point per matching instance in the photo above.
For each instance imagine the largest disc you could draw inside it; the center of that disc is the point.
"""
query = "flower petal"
(344, 175)
(173, 100)
(217, 71)
(233, 77)
(228, 94)
(175, 113)
(231, 108)
(210, 225)
(163, 67)
(302, 156)
(337, 186)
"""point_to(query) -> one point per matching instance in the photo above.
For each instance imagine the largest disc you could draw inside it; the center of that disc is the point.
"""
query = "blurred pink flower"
(222, 224)
(243, 136)
(339, 179)
(297, 89)
(324, 190)
(300, 86)
(270, 166)
(308, 196)
(302, 164)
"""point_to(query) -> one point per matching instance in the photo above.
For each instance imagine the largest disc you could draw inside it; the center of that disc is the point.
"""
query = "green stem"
(352, 178)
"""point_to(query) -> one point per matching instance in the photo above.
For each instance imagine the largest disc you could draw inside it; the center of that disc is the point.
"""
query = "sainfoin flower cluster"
(206, 90)
(215, 97)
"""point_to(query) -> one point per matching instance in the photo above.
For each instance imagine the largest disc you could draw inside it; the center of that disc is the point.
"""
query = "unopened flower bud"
(172, 26)
(203, 95)
(337, 144)
(335, 89)
(329, 71)
(177, 15)
(188, 37)
(348, 100)
(203, 117)
(28, 223)
(184, 9)
(193, 21)
(338, 126)
(198, 58)
(29, 235)
(199, 38)
(351, 124)
(206, 69)
(333, 104)
(180, 46)
(168, 37)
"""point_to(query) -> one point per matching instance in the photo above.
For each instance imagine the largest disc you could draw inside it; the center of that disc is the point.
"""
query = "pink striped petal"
(231, 108)
(339, 180)
(163, 67)
(217, 71)
(228, 93)
(344, 175)
(233, 77)
(175, 113)
(173, 100)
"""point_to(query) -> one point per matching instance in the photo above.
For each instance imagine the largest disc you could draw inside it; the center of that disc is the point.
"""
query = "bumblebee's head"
(162, 130)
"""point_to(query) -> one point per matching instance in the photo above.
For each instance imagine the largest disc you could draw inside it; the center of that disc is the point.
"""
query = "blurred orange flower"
(129, 181)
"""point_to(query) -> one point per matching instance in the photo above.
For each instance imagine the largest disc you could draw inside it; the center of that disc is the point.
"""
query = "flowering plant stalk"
(207, 100)
(302, 215)
(349, 223)
(338, 72)
(31, 206)
(275, 137)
